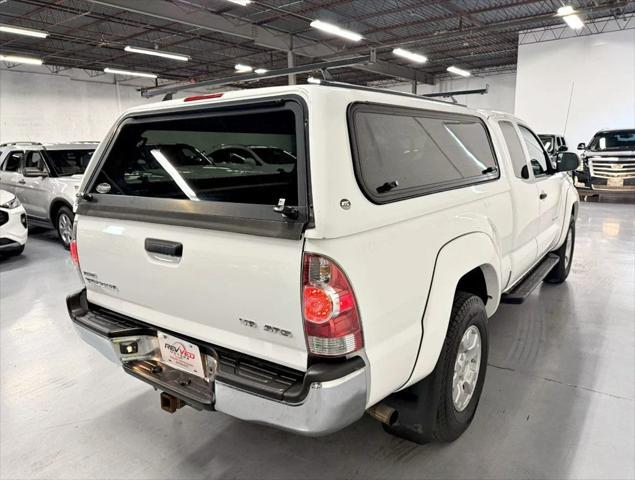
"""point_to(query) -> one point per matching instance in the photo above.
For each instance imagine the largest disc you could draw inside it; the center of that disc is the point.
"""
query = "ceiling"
(217, 34)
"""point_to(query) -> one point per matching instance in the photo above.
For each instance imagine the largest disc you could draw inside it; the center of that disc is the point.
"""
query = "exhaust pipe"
(170, 403)
(384, 414)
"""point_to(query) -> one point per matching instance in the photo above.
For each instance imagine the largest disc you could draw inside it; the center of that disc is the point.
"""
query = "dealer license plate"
(615, 182)
(181, 354)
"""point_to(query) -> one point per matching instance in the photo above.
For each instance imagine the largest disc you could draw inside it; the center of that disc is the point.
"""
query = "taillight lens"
(74, 254)
(331, 316)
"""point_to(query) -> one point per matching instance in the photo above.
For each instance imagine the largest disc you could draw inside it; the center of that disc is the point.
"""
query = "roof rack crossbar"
(6, 144)
(351, 86)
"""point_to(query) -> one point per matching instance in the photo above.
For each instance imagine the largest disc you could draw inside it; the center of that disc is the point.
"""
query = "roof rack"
(351, 86)
(19, 143)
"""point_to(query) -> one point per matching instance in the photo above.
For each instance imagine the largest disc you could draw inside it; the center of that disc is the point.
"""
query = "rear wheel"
(64, 225)
(442, 406)
(560, 272)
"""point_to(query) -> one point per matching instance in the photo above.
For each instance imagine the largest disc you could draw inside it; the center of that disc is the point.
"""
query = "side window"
(12, 163)
(515, 150)
(537, 157)
(401, 153)
(35, 160)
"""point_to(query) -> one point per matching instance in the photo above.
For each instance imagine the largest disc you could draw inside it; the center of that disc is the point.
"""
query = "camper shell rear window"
(211, 165)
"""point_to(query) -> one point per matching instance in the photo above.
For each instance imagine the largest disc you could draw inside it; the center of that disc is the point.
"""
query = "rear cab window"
(200, 166)
(403, 153)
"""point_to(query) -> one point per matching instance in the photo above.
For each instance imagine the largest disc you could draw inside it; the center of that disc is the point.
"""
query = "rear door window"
(401, 153)
(538, 159)
(186, 158)
(12, 163)
(515, 150)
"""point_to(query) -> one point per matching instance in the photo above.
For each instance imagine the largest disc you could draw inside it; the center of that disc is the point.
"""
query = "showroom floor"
(558, 398)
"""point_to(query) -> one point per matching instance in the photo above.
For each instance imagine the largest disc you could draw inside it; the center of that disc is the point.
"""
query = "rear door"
(198, 249)
(35, 189)
(526, 208)
(549, 184)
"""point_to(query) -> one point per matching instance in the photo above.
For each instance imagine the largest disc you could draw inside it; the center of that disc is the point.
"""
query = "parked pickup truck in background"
(45, 177)
(608, 163)
(360, 280)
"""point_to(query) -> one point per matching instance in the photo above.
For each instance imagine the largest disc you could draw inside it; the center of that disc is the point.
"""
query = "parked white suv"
(361, 280)
(13, 226)
(45, 177)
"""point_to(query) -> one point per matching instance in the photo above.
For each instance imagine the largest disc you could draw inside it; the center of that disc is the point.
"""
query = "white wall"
(596, 71)
(499, 97)
(37, 105)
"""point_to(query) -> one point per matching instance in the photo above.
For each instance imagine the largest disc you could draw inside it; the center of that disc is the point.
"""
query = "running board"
(528, 284)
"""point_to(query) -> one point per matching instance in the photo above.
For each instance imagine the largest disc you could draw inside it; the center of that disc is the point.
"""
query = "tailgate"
(179, 228)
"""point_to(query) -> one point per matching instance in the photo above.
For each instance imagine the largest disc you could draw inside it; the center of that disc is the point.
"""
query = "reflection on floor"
(558, 398)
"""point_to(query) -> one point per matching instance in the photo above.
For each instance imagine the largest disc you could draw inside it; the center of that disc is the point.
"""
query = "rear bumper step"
(529, 283)
(325, 398)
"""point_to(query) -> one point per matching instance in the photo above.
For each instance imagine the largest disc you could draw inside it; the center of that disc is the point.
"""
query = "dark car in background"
(608, 162)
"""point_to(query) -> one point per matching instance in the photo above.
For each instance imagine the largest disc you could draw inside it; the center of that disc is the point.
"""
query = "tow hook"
(384, 414)
(170, 403)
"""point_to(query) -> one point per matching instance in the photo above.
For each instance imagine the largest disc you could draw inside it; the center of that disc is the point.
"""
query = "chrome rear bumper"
(330, 403)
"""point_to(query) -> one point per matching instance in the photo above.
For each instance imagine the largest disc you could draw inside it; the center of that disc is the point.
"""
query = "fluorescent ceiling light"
(458, 71)
(566, 10)
(313, 80)
(241, 68)
(116, 71)
(23, 31)
(157, 53)
(568, 14)
(574, 22)
(17, 59)
(335, 30)
(244, 3)
(413, 57)
(261, 71)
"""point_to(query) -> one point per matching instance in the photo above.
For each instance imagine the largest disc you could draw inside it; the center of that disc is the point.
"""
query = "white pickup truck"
(360, 280)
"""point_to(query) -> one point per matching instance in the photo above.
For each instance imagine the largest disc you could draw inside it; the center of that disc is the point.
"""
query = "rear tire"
(19, 251)
(64, 225)
(560, 272)
(441, 406)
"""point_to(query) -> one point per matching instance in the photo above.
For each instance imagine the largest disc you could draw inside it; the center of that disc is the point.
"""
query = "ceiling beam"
(206, 20)
(266, 37)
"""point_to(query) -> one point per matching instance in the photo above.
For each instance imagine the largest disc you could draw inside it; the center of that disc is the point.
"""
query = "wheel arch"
(56, 204)
(471, 261)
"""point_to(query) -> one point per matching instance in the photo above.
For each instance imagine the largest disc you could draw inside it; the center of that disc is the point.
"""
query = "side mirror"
(581, 146)
(524, 172)
(33, 172)
(562, 148)
(567, 161)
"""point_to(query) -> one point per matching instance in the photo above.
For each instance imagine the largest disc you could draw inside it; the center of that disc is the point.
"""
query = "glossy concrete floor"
(558, 398)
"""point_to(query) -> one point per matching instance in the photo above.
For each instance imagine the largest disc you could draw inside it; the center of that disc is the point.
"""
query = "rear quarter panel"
(389, 251)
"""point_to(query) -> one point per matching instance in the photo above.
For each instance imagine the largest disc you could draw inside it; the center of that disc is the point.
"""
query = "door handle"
(164, 247)
(543, 195)
(22, 181)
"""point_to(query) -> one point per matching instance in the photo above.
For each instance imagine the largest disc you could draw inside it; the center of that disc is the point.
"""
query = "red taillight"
(74, 254)
(202, 97)
(331, 317)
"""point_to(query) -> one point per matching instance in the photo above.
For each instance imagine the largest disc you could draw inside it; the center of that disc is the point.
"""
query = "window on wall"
(538, 159)
(515, 149)
(401, 153)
